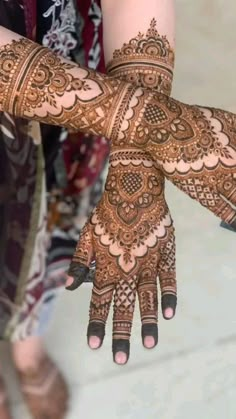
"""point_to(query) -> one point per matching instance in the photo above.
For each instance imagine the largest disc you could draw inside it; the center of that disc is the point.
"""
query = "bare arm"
(123, 23)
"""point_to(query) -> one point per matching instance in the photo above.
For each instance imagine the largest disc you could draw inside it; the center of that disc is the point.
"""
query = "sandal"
(45, 391)
(4, 407)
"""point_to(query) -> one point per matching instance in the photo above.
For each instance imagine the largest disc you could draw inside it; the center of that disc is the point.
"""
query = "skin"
(195, 147)
(137, 68)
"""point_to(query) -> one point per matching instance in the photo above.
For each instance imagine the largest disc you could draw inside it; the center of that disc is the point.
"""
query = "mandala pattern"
(146, 60)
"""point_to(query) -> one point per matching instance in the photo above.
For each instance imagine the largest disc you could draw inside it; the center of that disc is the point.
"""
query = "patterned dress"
(50, 179)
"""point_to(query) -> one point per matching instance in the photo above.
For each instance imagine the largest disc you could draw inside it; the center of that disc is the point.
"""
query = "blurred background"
(192, 373)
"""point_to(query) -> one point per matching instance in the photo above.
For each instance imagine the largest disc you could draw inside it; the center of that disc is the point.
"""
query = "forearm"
(143, 52)
(123, 21)
(37, 84)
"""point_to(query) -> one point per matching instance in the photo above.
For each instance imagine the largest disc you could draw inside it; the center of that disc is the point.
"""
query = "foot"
(44, 390)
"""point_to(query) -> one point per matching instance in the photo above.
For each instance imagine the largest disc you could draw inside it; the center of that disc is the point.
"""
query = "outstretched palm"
(132, 237)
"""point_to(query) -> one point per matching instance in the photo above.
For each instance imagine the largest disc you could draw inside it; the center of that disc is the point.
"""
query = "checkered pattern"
(154, 115)
(131, 183)
(196, 190)
(124, 297)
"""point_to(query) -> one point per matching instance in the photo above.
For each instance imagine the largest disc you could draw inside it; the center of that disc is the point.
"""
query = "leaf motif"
(181, 127)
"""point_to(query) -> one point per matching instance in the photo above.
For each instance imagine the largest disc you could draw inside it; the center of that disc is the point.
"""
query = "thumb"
(167, 276)
(79, 267)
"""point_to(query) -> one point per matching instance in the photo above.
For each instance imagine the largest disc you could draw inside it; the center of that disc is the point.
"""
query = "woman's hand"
(132, 227)
(131, 236)
(194, 146)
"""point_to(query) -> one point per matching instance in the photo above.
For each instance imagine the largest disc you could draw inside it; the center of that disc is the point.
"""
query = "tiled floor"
(192, 374)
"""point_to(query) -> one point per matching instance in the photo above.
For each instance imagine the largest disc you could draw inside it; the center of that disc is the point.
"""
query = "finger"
(124, 303)
(148, 304)
(209, 198)
(227, 188)
(167, 275)
(79, 267)
(88, 277)
(225, 211)
(99, 309)
(76, 275)
(92, 271)
(101, 299)
(228, 226)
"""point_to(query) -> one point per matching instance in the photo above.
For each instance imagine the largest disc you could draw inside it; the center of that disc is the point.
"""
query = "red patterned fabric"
(30, 277)
(30, 11)
(84, 160)
(88, 32)
(84, 157)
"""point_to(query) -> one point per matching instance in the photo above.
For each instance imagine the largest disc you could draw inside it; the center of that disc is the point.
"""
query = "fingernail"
(149, 335)
(168, 305)
(120, 358)
(94, 342)
(120, 350)
(77, 273)
(169, 313)
(95, 334)
(69, 281)
(149, 342)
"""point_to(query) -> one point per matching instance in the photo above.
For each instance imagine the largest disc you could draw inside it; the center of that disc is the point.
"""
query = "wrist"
(129, 129)
(37, 84)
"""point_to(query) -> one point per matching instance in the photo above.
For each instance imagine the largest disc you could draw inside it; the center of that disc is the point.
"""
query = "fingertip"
(121, 351)
(76, 275)
(149, 335)
(149, 342)
(72, 285)
(94, 342)
(69, 280)
(168, 305)
(168, 313)
(120, 358)
(95, 334)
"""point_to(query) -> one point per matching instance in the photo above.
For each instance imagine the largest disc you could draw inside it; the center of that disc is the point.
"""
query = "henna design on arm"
(195, 147)
(37, 84)
(146, 61)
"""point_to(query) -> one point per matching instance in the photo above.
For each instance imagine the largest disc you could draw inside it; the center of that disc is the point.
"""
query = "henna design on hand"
(131, 228)
(194, 146)
(180, 138)
(133, 241)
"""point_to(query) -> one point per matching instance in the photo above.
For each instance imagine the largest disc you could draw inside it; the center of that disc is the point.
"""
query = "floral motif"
(60, 37)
